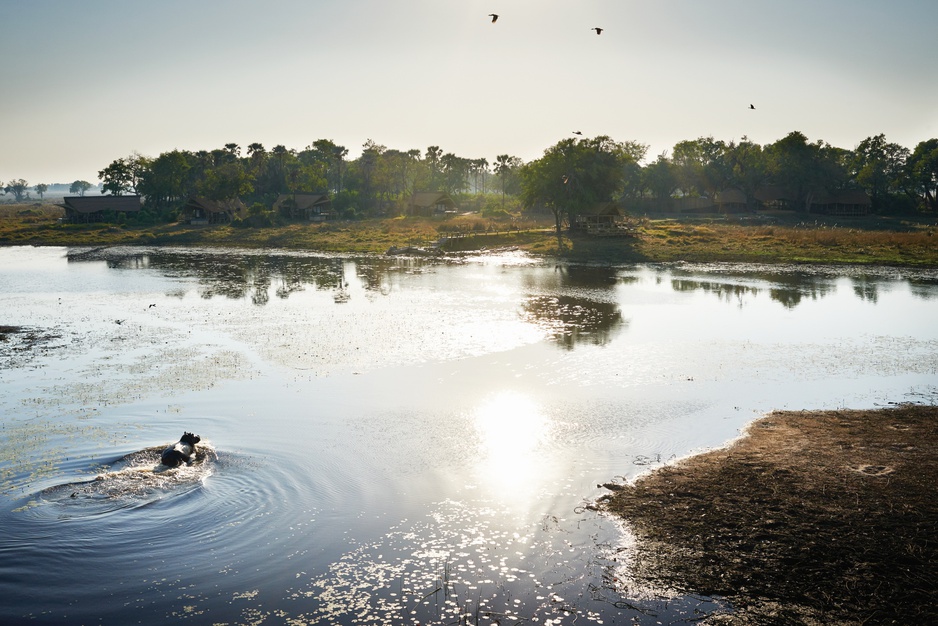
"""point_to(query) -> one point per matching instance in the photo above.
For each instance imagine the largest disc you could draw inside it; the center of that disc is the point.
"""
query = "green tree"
(455, 173)
(506, 169)
(922, 170)
(371, 175)
(166, 180)
(41, 188)
(633, 153)
(432, 158)
(805, 169)
(80, 187)
(123, 175)
(280, 154)
(747, 167)
(573, 176)
(226, 182)
(700, 166)
(661, 179)
(256, 151)
(478, 171)
(334, 156)
(879, 167)
(18, 187)
(404, 170)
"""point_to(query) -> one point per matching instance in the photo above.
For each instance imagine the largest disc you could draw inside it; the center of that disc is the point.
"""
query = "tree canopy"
(575, 175)
(571, 176)
(18, 187)
(80, 187)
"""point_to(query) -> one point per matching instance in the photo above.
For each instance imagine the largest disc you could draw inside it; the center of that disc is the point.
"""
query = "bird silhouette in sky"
(752, 106)
(494, 17)
(599, 31)
(576, 132)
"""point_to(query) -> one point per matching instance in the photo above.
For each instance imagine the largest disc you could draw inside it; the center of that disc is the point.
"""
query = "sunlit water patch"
(461, 565)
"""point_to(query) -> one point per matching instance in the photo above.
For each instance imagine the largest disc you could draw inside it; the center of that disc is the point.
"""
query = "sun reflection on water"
(511, 429)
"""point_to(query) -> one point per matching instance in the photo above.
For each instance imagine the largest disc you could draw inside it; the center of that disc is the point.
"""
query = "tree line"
(571, 175)
(376, 183)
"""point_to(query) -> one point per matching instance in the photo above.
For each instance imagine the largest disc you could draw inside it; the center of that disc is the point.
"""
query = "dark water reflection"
(399, 441)
(571, 320)
(789, 290)
(580, 314)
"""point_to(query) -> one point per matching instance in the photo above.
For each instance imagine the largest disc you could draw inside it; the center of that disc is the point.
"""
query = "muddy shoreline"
(824, 517)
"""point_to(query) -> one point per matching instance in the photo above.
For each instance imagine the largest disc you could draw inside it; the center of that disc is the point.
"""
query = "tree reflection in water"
(576, 304)
(570, 320)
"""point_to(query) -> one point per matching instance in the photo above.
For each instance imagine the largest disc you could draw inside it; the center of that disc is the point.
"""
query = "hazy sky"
(83, 82)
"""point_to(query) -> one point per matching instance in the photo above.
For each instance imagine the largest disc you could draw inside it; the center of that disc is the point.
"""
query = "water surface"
(393, 440)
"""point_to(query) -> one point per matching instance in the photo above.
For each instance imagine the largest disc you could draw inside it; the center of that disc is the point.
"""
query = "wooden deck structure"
(603, 220)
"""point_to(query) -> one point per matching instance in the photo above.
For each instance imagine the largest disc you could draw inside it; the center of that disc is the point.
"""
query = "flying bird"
(494, 17)
(576, 132)
(599, 31)
(751, 106)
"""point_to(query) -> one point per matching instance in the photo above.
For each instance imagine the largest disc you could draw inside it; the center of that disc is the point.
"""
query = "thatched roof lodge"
(84, 209)
(846, 202)
(200, 210)
(316, 207)
(775, 197)
(732, 201)
(429, 203)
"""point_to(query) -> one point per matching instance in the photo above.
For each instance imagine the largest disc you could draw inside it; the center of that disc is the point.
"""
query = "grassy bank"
(871, 241)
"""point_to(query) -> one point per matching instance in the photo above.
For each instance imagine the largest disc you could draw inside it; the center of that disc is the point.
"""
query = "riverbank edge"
(884, 242)
(823, 517)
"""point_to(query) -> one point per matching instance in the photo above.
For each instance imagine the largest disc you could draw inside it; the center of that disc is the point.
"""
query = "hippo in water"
(183, 451)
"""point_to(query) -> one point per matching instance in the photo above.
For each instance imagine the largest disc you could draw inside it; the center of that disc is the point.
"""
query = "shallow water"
(393, 440)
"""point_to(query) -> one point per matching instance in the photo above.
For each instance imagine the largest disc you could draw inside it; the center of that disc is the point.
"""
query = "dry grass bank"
(812, 518)
(672, 241)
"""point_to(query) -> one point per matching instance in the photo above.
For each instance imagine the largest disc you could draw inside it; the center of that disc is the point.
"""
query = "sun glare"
(510, 428)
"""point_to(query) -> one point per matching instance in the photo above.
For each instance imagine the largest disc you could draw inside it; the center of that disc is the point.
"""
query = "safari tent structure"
(84, 209)
(845, 202)
(849, 202)
(731, 201)
(774, 197)
(200, 210)
(314, 207)
(428, 203)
